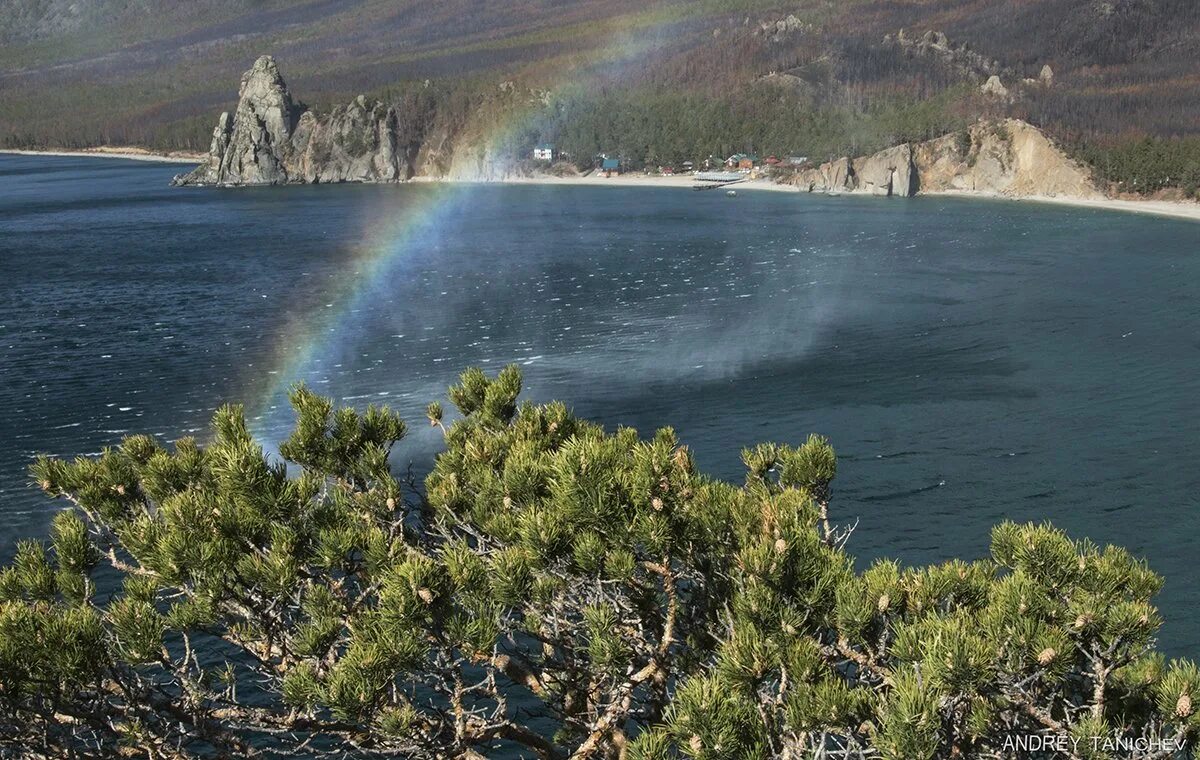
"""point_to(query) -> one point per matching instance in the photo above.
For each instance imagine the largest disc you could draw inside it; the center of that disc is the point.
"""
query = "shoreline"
(1186, 210)
(129, 154)
(677, 181)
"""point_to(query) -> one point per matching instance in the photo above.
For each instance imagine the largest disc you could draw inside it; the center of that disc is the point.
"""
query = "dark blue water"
(972, 361)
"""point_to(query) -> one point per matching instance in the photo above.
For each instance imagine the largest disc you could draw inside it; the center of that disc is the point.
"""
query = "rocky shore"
(1007, 158)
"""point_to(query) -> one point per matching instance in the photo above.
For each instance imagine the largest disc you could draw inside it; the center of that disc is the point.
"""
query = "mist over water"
(971, 361)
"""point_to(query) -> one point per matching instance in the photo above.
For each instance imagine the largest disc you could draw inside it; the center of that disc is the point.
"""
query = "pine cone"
(681, 459)
(696, 743)
(391, 503)
(780, 546)
(657, 503)
(426, 595)
(121, 490)
(884, 602)
(1046, 656)
(1183, 708)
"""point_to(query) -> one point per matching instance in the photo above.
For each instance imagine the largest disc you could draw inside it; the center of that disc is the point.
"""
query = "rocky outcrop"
(251, 146)
(270, 140)
(780, 29)
(355, 143)
(995, 87)
(1010, 158)
(889, 172)
(831, 177)
(953, 55)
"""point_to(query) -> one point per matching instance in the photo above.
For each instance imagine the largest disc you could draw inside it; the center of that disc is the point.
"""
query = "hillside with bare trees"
(663, 81)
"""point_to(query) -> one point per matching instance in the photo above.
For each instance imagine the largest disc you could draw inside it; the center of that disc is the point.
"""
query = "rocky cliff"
(271, 140)
(1010, 158)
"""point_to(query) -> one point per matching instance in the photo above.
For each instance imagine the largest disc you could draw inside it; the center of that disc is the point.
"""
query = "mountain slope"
(154, 72)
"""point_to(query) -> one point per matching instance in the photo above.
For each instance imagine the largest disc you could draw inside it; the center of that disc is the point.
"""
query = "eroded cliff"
(1010, 158)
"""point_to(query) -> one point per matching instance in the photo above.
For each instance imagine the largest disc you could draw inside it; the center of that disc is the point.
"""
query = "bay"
(972, 361)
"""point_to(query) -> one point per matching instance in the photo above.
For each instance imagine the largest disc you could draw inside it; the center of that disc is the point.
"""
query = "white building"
(544, 152)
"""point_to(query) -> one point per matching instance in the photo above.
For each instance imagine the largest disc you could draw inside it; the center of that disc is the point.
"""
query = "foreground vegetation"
(552, 591)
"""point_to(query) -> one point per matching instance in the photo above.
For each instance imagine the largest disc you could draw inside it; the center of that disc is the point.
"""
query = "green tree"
(552, 591)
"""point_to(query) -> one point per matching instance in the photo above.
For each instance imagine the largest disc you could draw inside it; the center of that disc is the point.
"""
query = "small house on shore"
(545, 152)
(742, 161)
(610, 167)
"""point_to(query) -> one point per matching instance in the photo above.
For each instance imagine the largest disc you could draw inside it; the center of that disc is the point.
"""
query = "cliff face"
(1009, 158)
(269, 140)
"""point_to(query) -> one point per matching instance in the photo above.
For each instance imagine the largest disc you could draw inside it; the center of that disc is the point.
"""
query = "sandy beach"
(1175, 209)
(1189, 210)
(131, 154)
(642, 180)
(677, 181)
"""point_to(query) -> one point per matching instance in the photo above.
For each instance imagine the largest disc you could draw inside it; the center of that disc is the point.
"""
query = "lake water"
(971, 361)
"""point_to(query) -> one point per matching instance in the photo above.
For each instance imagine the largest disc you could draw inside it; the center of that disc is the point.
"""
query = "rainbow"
(307, 344)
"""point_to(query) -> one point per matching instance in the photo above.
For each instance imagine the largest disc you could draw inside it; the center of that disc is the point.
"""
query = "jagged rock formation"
(957, 56)
(1010, 158)
(270, 140)
(355, 143)
(780, 29)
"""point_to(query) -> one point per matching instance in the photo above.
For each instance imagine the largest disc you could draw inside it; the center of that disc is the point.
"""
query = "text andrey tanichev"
(1072, 744)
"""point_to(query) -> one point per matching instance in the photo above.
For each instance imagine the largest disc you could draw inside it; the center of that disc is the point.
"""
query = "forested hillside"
(655, 82)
